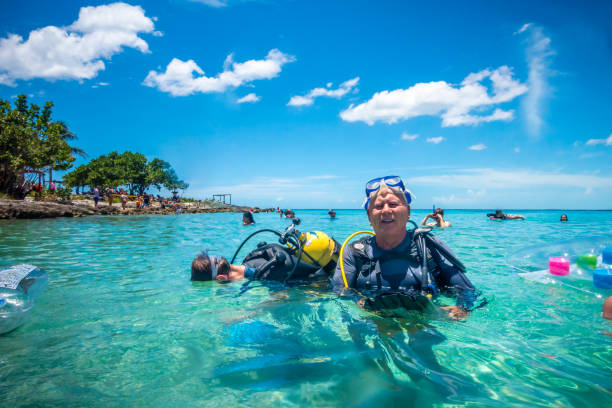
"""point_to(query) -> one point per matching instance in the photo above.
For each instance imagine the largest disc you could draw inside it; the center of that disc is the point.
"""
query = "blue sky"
(298, 103)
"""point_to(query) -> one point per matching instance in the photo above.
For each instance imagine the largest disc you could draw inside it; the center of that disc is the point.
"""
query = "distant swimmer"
(498, 215)
(247, 218)
(563, 218)
(331, 213)
(438, 217)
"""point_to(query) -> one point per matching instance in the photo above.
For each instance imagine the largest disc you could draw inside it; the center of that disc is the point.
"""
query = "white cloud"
(406, 136)
(272, 188)
(470, 197)
(607, 141)
(322, 177)
(179, 79)
(212, 3)
(479, 146)
(517, 150)
(590, 155)
(505, 180)
(523, 28)
(74, 52)
(538, 52)
(435, 140)
(250, 98)
(453, 104)
(338, 93)
(99, 84)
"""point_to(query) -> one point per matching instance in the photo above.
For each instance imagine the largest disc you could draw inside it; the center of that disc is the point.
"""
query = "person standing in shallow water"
(438, 217)
(386, 264)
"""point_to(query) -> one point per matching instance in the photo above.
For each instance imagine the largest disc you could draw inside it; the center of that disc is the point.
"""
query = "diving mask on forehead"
(394, 183)
(215, 260)
(214, 266)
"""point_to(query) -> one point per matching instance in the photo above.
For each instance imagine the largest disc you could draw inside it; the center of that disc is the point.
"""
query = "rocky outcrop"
(51, 209)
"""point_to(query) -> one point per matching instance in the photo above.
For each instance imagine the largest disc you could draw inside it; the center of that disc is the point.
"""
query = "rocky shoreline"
(30, 209)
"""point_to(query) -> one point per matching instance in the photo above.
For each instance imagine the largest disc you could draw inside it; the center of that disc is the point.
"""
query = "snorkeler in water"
(438, 217)
(499, 215)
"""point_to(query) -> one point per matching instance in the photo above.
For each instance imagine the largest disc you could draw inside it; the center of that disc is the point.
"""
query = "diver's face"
(389, 214)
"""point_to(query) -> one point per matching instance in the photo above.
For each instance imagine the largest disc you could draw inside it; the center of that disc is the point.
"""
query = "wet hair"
(439, 211)
(247, 218)
(202, 270)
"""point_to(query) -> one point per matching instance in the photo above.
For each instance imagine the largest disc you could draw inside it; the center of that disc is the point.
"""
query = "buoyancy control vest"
(424, 250)
(278, 263)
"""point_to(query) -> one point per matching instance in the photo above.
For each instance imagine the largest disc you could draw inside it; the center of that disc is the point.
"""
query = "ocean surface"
(121, 325)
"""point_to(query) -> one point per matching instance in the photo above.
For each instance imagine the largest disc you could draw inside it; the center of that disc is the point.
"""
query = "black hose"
(297, 262)
(249, 237)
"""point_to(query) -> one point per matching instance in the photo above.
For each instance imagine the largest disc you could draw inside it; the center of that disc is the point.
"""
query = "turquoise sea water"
(120, 324)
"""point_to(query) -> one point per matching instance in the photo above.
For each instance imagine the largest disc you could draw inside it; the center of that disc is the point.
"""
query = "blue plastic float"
(20, 285)
(568, 263)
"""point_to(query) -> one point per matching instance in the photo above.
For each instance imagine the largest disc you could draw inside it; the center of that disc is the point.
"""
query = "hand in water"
(456, 312)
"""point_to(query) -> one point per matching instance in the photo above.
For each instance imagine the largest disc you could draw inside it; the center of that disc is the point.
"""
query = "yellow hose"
(342, 253)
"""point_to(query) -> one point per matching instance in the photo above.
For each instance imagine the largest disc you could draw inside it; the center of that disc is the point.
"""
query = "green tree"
(126, 169)
(135, 171)
(77, 178)
(106, 171)
(161, 174)
(30, 139)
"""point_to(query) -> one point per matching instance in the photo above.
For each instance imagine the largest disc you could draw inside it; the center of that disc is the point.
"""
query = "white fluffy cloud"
(250, 98)
(539, 53)
(179, 79)
(468, 198)
(212, 3)
(492, 179)
(76, 51)
(338, 93)
(607, 141)
(453, 104)
(479, 146)
(407, 136)
(435, 140)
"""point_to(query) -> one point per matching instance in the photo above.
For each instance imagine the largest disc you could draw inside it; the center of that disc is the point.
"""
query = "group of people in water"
(395, 268)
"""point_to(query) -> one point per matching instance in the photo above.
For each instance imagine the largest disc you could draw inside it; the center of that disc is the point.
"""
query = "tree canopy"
(30, 139)
(131, 170)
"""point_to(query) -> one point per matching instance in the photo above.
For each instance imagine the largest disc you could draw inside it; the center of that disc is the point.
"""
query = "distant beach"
(32, 209)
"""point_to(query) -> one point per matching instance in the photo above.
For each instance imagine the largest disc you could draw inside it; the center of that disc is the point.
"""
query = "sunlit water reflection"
(121, 324)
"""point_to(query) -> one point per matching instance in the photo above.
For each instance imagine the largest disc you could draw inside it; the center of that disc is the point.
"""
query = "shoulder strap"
(442, 249)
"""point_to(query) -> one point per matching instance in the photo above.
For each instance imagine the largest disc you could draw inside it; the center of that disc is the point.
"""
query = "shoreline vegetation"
(30, 208)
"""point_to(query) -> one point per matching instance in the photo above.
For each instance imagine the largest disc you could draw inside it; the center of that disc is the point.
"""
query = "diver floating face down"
(211, 267)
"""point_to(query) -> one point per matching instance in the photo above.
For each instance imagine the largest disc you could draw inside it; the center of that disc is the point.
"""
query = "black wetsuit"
(276, 262)
(373, 271)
